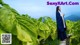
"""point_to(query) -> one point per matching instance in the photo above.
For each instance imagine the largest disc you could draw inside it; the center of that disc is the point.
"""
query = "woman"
(61, 25)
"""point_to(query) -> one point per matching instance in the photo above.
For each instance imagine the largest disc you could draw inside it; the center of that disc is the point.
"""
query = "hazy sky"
(39, 8)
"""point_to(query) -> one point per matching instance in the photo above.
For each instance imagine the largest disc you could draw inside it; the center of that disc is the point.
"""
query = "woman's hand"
(63, 15)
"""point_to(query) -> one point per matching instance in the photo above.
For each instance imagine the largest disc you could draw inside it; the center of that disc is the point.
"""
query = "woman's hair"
(57, 8)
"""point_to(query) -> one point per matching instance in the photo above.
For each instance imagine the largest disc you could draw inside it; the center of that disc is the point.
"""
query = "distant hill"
(73, 17)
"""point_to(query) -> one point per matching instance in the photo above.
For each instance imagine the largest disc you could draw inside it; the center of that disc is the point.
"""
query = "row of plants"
(26, 30)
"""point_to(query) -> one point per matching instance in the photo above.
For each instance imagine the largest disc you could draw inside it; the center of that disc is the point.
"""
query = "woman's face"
(59, 9)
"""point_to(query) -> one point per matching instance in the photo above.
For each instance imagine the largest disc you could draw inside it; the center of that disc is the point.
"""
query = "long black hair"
(57, 8)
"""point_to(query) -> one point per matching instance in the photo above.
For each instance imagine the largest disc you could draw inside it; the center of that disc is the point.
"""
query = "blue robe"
(60, 27)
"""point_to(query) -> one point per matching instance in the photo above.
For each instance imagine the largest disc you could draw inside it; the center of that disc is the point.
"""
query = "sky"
(39, 8)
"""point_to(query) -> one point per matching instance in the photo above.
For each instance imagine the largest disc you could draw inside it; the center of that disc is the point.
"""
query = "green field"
(30, 31)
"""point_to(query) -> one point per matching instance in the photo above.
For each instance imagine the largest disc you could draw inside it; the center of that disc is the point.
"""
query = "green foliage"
(30, 31)
(0, 1)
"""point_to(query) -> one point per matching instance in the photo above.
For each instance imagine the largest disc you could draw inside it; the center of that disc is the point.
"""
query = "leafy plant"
(26, 30)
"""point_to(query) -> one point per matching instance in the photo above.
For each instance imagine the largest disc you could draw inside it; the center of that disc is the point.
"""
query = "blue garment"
(60, 27)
